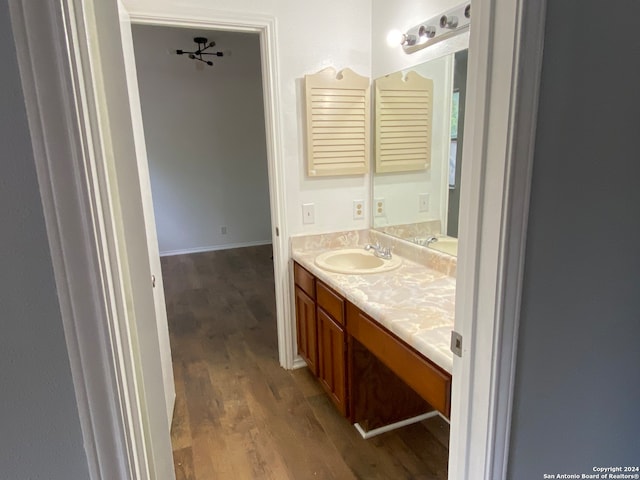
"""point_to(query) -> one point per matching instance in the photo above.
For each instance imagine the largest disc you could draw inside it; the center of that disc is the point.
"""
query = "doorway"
(264, 29)
(207, 160)
(205, 138)
(491, 71)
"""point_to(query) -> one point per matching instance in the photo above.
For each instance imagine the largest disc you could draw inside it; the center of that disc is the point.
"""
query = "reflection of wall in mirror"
(401, 190)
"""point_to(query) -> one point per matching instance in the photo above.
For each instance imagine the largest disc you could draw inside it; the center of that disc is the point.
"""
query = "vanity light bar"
(436, 29)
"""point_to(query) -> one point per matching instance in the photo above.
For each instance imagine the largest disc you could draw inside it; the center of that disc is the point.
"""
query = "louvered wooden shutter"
(338, 123)
(404, 111)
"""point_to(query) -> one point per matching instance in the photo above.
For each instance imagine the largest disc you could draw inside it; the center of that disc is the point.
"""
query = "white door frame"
(90, 265)
(142, 163)
(265, 26)
(505, 59)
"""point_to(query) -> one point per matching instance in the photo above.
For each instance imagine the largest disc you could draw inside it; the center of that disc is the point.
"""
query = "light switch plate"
(308, 213)
(379, 207)
(358, 209)
(423, 202)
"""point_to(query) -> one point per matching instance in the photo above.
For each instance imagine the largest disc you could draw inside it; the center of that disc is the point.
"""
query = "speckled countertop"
(414, 301)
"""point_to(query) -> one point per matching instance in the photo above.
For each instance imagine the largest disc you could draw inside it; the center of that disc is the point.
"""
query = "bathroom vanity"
(379, 342)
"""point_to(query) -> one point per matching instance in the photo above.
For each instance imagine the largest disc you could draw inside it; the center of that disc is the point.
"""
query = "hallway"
(238, 414)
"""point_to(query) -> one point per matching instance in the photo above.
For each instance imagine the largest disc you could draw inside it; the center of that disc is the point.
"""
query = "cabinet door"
(306, 329)
(332, 360)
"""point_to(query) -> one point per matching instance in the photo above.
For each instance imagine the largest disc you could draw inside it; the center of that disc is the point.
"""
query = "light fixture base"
(438, 28)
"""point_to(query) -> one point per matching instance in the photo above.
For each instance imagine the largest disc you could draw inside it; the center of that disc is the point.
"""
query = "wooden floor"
(238, 414)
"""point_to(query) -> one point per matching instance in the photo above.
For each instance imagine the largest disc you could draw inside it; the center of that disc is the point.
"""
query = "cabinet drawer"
(330, 302)
(429, 381)
(305, 280)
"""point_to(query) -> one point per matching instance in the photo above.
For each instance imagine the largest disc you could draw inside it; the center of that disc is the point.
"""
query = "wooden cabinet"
(427, 379)
(321, 338)
(306, 325)
(332, 345)
(372, 376)
(332, 359)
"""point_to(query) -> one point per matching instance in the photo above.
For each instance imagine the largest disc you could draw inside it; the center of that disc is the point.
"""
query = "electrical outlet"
(423, 202)
(358, 209)
(223, 230)
(308, 213)
(379, 209)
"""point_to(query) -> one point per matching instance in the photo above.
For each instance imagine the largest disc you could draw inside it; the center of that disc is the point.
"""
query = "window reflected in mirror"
(453, 149)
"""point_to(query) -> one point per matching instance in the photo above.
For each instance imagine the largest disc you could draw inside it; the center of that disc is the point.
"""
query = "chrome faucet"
(425, 242)
(431, 239)
(379, 250)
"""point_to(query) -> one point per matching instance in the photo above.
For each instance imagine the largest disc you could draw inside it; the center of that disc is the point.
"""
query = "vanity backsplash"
(410, 231)
(428, 257)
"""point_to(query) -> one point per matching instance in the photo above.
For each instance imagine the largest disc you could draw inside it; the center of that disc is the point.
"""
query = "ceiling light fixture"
(440, 27)
(427, 32)
(203, 44)
(448, 21)
(396, 37)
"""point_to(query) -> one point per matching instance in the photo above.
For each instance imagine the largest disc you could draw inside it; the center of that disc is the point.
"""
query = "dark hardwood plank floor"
(238, 414)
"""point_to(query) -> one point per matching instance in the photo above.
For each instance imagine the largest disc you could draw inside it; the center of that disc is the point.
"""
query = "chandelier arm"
(203, 44)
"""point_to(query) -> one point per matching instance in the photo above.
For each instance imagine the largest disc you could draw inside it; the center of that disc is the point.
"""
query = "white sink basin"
(355, 261)
(446, 245)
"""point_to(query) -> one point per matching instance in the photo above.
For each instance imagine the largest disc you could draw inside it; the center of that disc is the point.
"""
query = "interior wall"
(39, 423)
(577, 385)
(205, 136)
(345, 41)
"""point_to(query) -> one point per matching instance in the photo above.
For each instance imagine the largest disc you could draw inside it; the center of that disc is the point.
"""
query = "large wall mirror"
(418, 199)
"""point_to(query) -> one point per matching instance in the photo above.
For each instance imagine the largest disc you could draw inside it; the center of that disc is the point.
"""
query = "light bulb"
(395, 38)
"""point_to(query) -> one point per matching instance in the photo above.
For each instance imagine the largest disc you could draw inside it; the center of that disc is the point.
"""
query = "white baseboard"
(393, 426)
(298, 362)
(212, 248)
